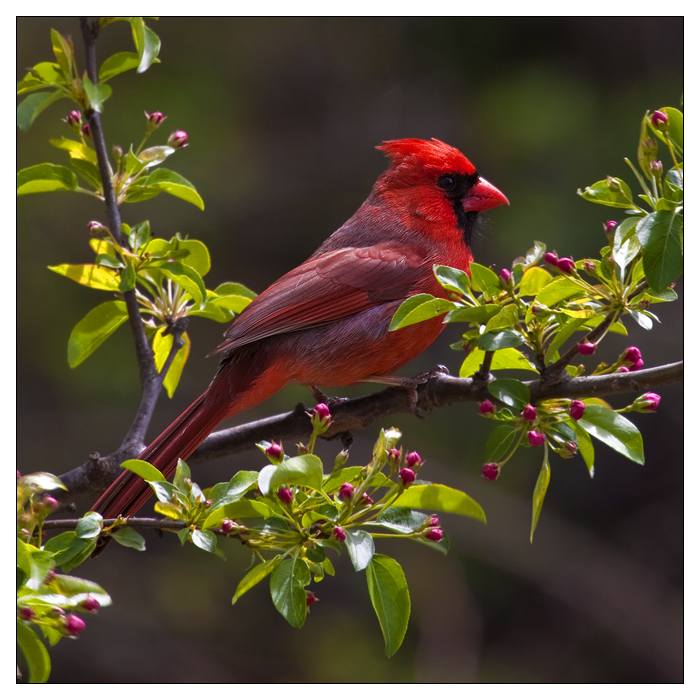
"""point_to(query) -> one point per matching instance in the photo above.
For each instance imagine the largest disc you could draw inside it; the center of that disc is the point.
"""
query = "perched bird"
(326, 323)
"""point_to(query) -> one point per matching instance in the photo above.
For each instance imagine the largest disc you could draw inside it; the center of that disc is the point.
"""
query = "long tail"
(178, 441)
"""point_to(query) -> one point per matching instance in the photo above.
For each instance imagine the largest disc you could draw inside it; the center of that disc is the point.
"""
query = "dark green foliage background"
(283, 115)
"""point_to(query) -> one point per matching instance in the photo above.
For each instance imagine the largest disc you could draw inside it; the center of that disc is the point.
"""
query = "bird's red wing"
(326, 288)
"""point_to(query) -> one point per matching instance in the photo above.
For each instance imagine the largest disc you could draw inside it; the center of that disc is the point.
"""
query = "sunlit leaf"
(94, 329)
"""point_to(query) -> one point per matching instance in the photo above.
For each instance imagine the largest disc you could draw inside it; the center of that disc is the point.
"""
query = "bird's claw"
(330, 401)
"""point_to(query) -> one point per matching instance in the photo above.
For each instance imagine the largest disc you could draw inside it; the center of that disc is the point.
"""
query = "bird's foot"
(330, 401)
(411, 385)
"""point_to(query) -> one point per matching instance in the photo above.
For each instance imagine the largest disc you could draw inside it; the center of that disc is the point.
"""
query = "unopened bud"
(366, 499)
(413, 459)
(589, 266)
(25, 614)
(647, 403)
(96, 227)
(490, 471)
(659, 119)
(227, 525)
(275, 451)
(73, 625)
(551, 258)
(178, 139)
(50, 576)
(632, 357)
(285, 495)
(339, 533)
(609, 227)
(577, 409)
(311, 599)
(155, 119)
(530, 413)
(571, 447)
(408, 476)
(90, 604)
(321, 418)
(86, 132)
(49, 503)
(536, 439)
(73, 119)
(586, 348)
(622, 370)
(506, 277)
(486, 408)
(434, 535)
(346, 492)
(566, 265)
(656, 167)
(613, 184)
(341, 459)
(393, 455)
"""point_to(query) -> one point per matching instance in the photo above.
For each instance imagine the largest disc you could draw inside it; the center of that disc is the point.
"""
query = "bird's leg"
(411, 384)
(320, 397)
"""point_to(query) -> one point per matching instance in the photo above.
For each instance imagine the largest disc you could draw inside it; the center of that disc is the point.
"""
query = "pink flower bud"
(566, 265)
(178, 139)
(49, 503)
(586, 348)
(346, 491)
(536, 439)
(86, 132)
(50, 576)
(408, 476)
(94, 227)
(322, 411)
(621, 370)
(413, 459)
(434, 535)
(434, 521)
(577, 409)
(155, 119)
(609, 226)
(339, 533)
(393, 456)
(647, 403)
(571, 447)
(311, 599)
(659, 119)
(539, 310)
(551, 258)
(656, 167)
(25, 614)
(366, 499)
(321, 417)
(632, 355)
(227, 525)
(275, 451)
(90, 604)
(506, 277)
(590, 266)
(73, 118)
(285, 495)
(490, 471)
(486, 407)
(530, 413)
(73, 625)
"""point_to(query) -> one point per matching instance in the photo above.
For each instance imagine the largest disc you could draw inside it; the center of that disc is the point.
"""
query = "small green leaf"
(254, 576)
(42, 75)
(500, 340)
(511, 392)
(93, 276)
(165, 492)
(197, 255)
(233, 303)
(360, 546)
(75, 149)
(484, 280)
(499, 442)
(163, 180)
(287, 589)
(63, 51)
(145, 470)
(205, 540)
(94, 329)
(305, 470)
(235, 289)
(162, 345)
(34, 652)
(89, 173)
(585, 446)
(89, 526)
(33, 105)
(235, 489)
(128, 537)
(39, 481)
(507, 317)
(533, 281)
(118, 63)
(612, 192)
(614, 430)
(533, 256)
(559, 289)
(419, 308)
(388, 591)
(452, 279)
(563, 334)
(128, 277)
(96, 94)
(663, 251)
(539, 494)
(433, 497)
(45, 178)
(405, 520)
(188, 278)
(473, 314)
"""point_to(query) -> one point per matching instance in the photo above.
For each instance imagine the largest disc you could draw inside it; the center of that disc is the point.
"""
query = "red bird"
(326, 322)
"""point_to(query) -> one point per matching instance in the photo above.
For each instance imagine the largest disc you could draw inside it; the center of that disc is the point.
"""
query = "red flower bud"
(551, 258)
(90, 604)
(227, 525)
(322, 411)
(275, 451)
(155, 119)
(49, 503)
(566, 265)
(609, 226)
(310, 599)
(339, 533)
(434, 535)
(86, 132)
(94, 227)
(366, 499)
(321, 417)
(178, 139)
(434, 521)
(393, 455)
(506, 277)
(285, 495)
(413, 459)
(408, 476)
(622, 370)
(346, 491)
(490, 471)
(647, 403)
(486, 407)
(25, 614)
(586, 348)
(571, 447)
(73, 118)
(590, 266)
(656, 166)
(530, 413)
(577, 409)
(659, 119)
(632, 355)
(536, 439)
(73, 625)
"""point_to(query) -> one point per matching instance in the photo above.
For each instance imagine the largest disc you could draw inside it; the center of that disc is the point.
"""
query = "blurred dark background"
(283, 116)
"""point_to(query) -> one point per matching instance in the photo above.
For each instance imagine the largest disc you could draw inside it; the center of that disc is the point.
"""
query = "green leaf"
(626, 245)
(235, 289)
(233, 303)
(388, 591)
(39, 481)
(42, 75)
(642, 319)
(500, 340)
(243, 508)
(360, 546)
(96, 94)
(472, 363)
(614, 430)
(305, 470)
(511, 392)
(254, 576)
(128, 537)
(165, 492)
(93, 276)
(63, 52)
(140, 235)
(585, 446)
(563, 334)
(205, 540)
(89, 526)
(405, 520)
(452, 279)
(161, 347)
(88, 172)
(510, 358)
(473, 314)
(499, 442)
(559, 289)
(507, 317)
(94, 329)
(45, 178)
(539, 494)
(333, 482)
(33, 105)
(150, 50)
(34, 652)
(163, 180)
(663, 251)
(484, 280)
(76, 150)
(197, 255)
(128, 277)
(433, 497)
(235, 489)
(145, 470)
(611, 192)
(118, 63)
(287, 589)
(188, 278)
(533, 281)
(419, 308)
(533, 256)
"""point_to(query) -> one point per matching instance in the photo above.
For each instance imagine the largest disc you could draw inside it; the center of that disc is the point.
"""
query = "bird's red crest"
(434, 157)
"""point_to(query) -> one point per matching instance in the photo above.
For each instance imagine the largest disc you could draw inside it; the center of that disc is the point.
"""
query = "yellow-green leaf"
(93, 276)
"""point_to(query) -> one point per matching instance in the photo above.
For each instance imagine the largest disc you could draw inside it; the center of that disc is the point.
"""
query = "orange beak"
(483, 195)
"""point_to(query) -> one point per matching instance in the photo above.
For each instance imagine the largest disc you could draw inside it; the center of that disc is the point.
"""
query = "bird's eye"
(447, 182)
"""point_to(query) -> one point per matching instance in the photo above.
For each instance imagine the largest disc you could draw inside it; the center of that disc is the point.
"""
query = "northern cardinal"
(326, 323)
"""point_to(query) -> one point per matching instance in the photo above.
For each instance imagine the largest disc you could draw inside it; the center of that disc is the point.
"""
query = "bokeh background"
(283, 116)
